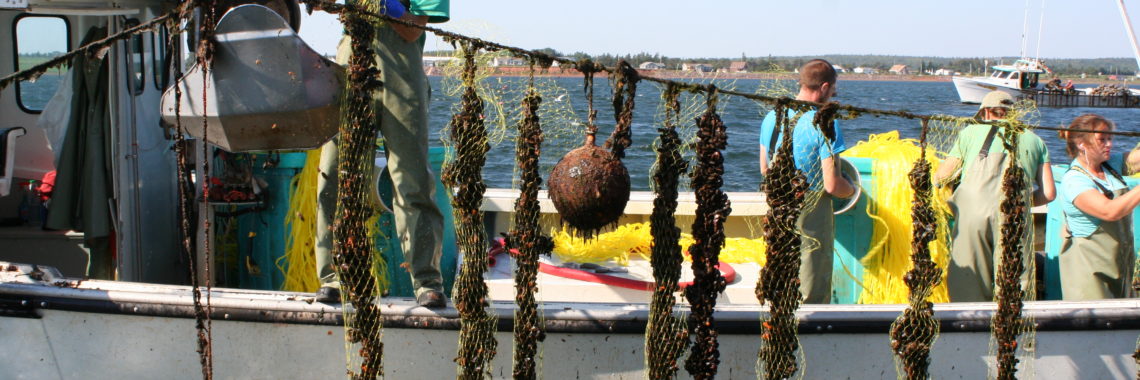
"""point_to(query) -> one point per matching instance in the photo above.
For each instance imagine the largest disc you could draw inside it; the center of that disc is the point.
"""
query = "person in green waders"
(402, 111)
(817, 156)
(976, 234)
(1097, 252)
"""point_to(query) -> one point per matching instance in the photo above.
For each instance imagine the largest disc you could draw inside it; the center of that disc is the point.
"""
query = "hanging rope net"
(708, 231)
(1010, 329)
(913, 332)
(779, 285)
(526, 238)
(666, 336)
(477, 343)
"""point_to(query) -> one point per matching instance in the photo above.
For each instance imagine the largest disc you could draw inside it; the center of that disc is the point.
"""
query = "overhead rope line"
(545, 60)
(93, 48)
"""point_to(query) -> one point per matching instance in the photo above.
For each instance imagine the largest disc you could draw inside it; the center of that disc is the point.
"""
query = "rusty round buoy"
(589, 187)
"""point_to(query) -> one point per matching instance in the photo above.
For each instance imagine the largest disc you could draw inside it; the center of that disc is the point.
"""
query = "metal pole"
(1131, 34)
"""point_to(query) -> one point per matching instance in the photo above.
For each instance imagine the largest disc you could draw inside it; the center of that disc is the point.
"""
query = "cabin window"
(136, 77)
(1014, 76)
(159, 59)
(38, 40)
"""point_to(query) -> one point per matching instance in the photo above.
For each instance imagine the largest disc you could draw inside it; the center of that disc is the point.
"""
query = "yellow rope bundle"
(634, 240)
(299, 262)
(888, 258)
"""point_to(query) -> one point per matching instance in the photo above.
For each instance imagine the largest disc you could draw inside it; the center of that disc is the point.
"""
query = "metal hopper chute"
(266, 90)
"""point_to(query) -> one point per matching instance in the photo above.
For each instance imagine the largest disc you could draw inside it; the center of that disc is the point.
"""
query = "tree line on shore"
(882, 63)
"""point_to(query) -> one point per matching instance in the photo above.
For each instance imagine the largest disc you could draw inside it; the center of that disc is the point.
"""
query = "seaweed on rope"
(914, 331)
(526, 238)
(713, 209)
(779, 283)
(666, 336)
(477, 345)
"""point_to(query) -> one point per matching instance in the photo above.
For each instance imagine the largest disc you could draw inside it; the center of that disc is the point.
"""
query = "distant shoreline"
(676, 74)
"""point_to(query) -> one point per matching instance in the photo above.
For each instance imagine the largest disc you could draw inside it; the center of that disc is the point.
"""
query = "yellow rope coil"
(299, 261)
(888, 258)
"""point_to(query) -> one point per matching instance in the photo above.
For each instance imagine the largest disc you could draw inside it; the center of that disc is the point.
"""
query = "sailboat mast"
(1040, 31)
(1131, 34)
(1025, 31)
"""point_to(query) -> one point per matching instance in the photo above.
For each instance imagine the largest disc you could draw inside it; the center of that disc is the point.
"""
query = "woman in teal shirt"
(1097, 256)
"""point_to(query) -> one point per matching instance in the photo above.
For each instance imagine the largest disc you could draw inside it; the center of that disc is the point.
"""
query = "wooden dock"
(1058, 99)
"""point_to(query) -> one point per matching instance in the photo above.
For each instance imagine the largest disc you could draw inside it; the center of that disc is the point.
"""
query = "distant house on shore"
(865, 70)
(899, 70)
(839, 69)
(507, 61)
(651, 66)
(698, 67)
(437, 61)
(943, 72)
(738, 67)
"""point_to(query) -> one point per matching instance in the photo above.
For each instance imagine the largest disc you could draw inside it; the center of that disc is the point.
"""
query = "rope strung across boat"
(779, 284)
(96, 48)
(666, 336)
(708, 231)
(851, 112)
(1007, 322)
(526, 237)
(914, 331)
(477, 343)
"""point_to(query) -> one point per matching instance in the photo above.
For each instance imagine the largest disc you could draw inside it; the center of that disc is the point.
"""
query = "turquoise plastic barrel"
(852, 240)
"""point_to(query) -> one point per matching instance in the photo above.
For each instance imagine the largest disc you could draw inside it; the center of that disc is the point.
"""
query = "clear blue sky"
(729, 28)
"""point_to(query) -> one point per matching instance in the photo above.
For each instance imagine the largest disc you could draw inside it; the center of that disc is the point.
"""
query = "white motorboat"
(1015, 79)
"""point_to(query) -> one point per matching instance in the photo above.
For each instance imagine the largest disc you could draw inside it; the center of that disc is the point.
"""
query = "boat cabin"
(1023, 74)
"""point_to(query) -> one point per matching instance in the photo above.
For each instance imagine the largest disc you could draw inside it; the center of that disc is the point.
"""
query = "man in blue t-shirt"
(816, 156)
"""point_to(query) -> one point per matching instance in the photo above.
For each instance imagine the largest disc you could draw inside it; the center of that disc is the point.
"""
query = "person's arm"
(947, 169)
(763, 159)
(408, 33)
(1094, 203)
(1046, 189)
(833, 181)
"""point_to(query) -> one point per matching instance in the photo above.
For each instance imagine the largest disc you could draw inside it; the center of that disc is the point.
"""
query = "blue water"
(742, 117)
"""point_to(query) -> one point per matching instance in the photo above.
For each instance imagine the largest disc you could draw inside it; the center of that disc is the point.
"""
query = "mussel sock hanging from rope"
(589, 187)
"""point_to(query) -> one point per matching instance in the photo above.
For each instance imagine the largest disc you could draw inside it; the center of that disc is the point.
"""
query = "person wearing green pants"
(816, 156)
(977, 229)
(401, 105)
(1097, 255)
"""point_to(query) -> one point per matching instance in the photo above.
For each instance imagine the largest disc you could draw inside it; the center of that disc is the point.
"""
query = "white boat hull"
(113, 330)
(972, 89)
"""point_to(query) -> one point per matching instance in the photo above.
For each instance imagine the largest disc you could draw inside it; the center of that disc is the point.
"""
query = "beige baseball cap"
(995, 99)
